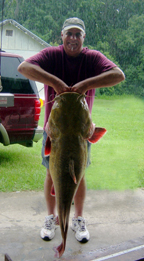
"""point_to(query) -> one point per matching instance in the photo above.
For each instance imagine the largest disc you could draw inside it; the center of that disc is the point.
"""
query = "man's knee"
(48, 175)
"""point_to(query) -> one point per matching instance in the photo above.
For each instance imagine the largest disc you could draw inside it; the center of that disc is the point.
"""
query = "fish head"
(69, 114)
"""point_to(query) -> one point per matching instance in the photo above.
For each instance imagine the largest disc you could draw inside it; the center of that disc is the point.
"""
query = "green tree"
(114, 27)
(130, 53)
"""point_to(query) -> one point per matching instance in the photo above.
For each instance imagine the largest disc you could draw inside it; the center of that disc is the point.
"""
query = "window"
(12, 80)
(9, 32)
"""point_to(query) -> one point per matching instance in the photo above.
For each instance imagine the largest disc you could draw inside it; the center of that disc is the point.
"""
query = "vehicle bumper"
(38, 134)
(4, 134)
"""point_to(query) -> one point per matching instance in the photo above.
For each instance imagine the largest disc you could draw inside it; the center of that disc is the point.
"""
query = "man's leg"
(50, 200)
(48, 230)
(80, 198)
(81, 191)
(78, 222)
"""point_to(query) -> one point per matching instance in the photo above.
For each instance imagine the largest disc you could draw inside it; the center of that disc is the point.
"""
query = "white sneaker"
(79, 226)
(48, 230)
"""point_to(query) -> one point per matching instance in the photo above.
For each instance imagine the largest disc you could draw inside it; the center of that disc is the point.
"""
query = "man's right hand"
(61, 87)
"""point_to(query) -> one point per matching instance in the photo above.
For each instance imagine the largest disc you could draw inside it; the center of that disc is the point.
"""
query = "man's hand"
(79, 88)
(61, 87)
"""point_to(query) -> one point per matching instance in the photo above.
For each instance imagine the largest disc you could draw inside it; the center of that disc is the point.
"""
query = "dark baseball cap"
(74, 22)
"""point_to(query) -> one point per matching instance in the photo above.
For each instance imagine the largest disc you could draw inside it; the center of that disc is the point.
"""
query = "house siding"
(21, 42)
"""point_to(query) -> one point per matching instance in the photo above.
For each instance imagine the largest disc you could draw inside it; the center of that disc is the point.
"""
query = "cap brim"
(74, 26)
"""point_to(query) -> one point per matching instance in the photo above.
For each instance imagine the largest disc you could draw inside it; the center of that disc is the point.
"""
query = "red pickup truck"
(19, 104)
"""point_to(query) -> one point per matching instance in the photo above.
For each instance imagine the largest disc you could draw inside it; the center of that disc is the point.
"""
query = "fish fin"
(71, 170)
(47, 147)
(52, 191)
(57, 220)
(97, 135)
(64, 228)
(59, 250)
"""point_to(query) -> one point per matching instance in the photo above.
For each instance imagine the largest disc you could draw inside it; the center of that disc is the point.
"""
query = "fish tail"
(65, 219)
(72, 171)
(61, 248)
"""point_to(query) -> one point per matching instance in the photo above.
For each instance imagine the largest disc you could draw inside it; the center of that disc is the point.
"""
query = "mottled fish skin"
(69, 127)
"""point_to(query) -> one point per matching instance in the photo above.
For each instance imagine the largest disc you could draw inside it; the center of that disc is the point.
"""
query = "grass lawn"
(117, 160)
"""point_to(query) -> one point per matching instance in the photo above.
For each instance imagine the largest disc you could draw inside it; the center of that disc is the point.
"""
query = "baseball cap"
(74, 22)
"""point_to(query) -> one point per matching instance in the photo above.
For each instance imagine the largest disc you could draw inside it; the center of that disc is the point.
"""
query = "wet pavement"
(115, 221)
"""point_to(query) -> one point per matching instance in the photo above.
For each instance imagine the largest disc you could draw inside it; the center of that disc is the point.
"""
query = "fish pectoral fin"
(52, 190)
(71, 170)
(47, 147)
(97, 134)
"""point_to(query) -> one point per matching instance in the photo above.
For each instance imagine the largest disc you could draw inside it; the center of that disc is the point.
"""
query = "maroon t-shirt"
(71, 70)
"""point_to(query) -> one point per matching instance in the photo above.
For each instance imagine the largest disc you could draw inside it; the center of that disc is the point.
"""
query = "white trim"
(26, 31)
(119, 253)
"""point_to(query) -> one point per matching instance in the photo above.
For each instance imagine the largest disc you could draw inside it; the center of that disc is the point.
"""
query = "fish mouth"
(63, 93)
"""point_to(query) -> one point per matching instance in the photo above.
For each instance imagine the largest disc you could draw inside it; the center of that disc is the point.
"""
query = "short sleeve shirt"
(71, 70)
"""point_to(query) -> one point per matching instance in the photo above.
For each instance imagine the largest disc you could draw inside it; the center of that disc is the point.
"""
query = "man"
(69, 66)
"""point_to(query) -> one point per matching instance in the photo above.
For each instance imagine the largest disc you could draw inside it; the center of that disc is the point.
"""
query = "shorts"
(45, 160)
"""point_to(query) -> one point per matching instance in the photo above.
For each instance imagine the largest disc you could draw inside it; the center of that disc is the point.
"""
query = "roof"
(26, 31)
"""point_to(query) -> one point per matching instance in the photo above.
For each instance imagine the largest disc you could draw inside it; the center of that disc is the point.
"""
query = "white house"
(17, 39)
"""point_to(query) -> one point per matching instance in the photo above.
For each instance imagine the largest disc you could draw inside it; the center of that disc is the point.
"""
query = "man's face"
(73, 41)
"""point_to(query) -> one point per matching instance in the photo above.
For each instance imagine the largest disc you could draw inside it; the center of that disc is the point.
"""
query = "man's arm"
(36, 73)
(105, 79)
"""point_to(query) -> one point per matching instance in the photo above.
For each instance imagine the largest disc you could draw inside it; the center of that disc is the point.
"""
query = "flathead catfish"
(69, 127)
